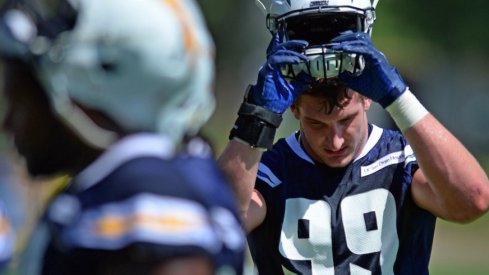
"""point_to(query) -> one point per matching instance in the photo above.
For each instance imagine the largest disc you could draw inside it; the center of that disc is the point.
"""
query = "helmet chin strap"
(74, 117)
(85, 127)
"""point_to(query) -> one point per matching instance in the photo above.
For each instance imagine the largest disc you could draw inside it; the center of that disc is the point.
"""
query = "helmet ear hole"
(109, 67)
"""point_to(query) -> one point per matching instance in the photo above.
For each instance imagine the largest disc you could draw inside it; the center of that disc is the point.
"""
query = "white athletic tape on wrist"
(406, 110)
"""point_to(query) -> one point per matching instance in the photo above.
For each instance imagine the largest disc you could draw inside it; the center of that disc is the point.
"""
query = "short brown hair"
(331, 94)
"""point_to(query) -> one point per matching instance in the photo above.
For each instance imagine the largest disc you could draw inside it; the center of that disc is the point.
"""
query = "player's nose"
(335, 138)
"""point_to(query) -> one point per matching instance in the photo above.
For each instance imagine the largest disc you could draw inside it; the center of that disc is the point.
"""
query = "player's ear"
(366, 102)
(294, 108)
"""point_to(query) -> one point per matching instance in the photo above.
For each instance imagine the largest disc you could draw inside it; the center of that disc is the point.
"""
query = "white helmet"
(318, 22)
(147, 64)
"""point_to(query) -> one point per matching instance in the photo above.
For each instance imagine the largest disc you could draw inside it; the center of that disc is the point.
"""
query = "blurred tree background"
(442, 50)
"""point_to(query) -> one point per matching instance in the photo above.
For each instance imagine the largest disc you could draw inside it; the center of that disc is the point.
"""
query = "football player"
(106, 91)
(341, 195)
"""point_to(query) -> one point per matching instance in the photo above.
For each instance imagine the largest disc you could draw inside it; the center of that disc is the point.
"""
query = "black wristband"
(255, 132)
(255, 125)
(265, 115)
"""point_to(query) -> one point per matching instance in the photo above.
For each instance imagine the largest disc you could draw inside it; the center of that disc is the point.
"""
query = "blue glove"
(379, 80)
(272, 91)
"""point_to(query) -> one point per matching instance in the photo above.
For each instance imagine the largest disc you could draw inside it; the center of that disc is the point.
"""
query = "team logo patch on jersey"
(405, 156)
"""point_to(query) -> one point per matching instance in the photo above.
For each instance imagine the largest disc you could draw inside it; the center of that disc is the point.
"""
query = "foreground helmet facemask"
(28, 26)
(317, 22)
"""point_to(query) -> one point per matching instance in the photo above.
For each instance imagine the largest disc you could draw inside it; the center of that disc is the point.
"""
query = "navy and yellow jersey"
(360, 219)
(140, 203)
(7, 239)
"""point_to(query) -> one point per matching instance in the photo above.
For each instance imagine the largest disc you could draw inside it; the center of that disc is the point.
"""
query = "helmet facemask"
(28, 27)
(318, 26)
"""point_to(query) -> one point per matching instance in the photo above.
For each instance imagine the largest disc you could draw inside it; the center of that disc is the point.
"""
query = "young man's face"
(334, 139)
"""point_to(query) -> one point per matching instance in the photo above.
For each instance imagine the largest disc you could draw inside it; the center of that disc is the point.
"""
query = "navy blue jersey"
(7, 238)
(360, 219)
(138, 204)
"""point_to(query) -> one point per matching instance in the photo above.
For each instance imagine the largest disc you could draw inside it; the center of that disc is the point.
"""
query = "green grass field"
(461, 249)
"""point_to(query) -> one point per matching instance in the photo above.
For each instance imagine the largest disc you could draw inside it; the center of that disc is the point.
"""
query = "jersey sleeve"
(410, 161)
(271, 170)
(143, 218)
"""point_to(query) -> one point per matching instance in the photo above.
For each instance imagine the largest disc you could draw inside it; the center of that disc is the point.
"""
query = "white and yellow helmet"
(318, 22)
(147, 64)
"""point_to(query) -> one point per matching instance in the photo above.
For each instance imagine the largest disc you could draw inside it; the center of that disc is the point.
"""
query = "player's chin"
(337, 162)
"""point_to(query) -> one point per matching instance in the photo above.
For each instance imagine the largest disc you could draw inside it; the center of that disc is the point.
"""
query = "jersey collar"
(373, 138)
(130, 147)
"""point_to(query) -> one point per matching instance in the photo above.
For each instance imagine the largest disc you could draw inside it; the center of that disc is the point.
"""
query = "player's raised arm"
(240, 162)
(451, 184)
(259, 116)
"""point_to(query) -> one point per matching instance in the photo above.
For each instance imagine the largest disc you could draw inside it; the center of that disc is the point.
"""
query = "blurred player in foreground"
(341, 195)
(106, 90)
(7, 239)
